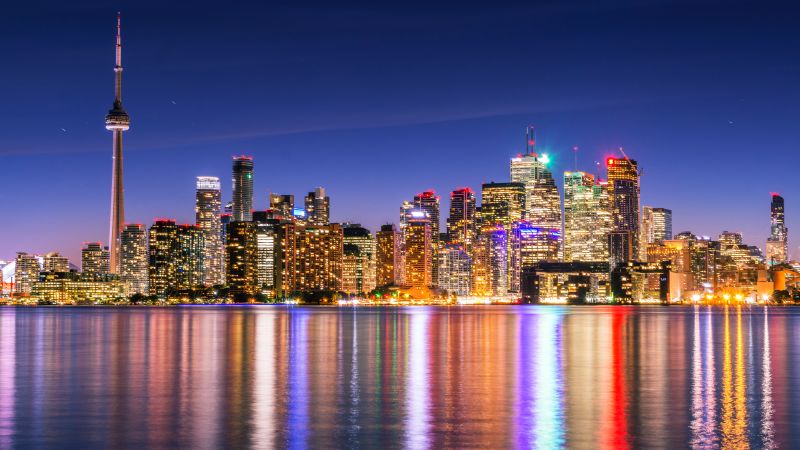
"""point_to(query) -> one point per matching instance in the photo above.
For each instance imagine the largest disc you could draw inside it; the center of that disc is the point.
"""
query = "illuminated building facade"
(241, 260)
(481, 265)
(587, 218)
(265, 253)
(283, 204)
(455, 268)
(54, 262)
(531, 245)
(287, 258)
(623, 190)
(656, 225)
(497, 242)
(133, 259)
(321, 252)
(365, 256)
(318, 207)
(77, 288)
(95, 258)
(418, 254)
(502, 203)
(461, 222)
(542, 199)
(175, 261)
(208, 202)
(777, 250)
(26, 272)
(388, 258)
(428, 202)
(242, 188)
(566, 282)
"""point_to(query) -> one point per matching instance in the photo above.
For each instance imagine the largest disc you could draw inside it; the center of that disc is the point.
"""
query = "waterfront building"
(455, 270)
(241, 260)
(317, 207)
(777, 250)
(321, 252)
(481, 265)
(117, 121)
(566, 282)
(265, 251)
(77, 288)
(461, 221)
(54, 262)
(287, 258)
(624, 192)
(531, 245)
(175, 257)
(242, 188)
(388, 257)
(133, 259)
(95, 258)
(587, 218)
(26, 272)
(366, 263)
(418, 255)
(208, 202)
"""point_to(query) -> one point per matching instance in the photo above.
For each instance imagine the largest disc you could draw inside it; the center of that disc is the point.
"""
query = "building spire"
(530, 140)
(118, 66)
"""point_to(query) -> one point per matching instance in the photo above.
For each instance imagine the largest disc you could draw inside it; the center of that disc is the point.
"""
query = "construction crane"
(639, 172)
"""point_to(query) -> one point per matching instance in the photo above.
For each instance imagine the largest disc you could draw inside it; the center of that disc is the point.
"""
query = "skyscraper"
(778, 241)
(265, 253)
(531, 245)
(133, 260)
(428, 202)
(283, 204)
(208, 202)
(53, 262)
(388, 258)
(502, 203)
(542, 199)
(95, 258)
(318, 207)
(656, 225)
(418, 255)
(461, 223)
(320, 251)
(497, 241)
(364, 256)
(175, 257)
(242, 188)
(587, 218)
(241, 261)
(623, 191)
(117, 121)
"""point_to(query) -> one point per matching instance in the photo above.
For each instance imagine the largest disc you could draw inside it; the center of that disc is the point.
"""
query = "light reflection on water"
(500, 377)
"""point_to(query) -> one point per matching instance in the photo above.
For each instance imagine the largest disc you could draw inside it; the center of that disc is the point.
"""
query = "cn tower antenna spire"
(118, 66)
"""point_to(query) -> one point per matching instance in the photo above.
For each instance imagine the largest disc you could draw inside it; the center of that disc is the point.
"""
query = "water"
(582, 377)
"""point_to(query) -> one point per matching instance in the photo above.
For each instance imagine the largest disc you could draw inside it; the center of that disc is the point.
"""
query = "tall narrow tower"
(117, 121)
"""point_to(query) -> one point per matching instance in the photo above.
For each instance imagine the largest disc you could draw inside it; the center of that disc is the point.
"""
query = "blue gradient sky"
(379, 102)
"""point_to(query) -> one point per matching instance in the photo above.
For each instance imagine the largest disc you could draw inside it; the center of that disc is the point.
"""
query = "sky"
(377, 101)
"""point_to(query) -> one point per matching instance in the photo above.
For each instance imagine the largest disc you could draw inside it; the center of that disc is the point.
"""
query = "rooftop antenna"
(575, 154)
(530, 140)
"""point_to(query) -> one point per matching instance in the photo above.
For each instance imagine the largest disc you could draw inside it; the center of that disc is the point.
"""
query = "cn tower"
(117, 121)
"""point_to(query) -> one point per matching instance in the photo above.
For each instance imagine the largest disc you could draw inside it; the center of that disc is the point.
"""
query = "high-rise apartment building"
(777, 251)
(365, 256)
(418, 254)
(502, 203)
(208, 202)
(133, 259)
(95, 258)
(54, 262)
(428, 202)
(531, 245)
(26, 272)
(241, 260)
(455, 268)
(587, 218)
(321, 250)
(623, 191)
(242, 188)
(461, 222)
(481, 265)
(656, 225)
(317, 207)
(175, 257)
(388, 257)
(498, 246)
(283, 204)
(265, 257)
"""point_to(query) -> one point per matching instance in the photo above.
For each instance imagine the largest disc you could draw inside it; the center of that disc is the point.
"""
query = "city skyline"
(499, 139)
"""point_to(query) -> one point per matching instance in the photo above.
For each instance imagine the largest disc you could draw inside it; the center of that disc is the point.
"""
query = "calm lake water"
(457, 377)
